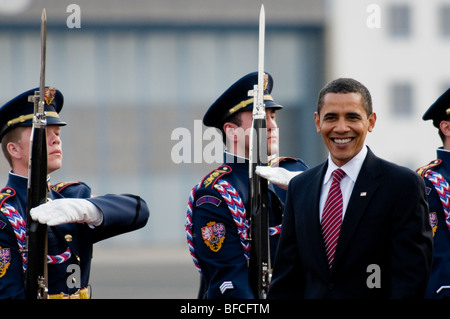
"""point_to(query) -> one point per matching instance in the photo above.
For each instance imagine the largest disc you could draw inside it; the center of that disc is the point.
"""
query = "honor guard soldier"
(76, 220)
(218, 218)
(437, 177)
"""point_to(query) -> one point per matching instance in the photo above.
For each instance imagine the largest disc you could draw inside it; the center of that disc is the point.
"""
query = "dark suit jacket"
(385, 239)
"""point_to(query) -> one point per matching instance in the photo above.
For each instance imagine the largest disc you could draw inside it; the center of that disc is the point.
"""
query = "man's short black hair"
(346, 85)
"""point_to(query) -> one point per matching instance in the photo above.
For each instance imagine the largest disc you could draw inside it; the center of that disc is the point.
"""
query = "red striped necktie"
(332, 215)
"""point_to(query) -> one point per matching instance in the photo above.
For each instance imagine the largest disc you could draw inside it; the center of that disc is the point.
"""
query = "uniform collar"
(231, 158)
(17, 182)
(20, 181)
(443, 154)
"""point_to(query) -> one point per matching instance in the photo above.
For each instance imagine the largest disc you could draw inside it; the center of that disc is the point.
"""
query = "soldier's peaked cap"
(439, 110)
(19, 111)
(236, 99)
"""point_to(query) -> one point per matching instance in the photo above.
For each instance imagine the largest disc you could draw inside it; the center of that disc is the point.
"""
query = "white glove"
(67, 210)
(276, 175)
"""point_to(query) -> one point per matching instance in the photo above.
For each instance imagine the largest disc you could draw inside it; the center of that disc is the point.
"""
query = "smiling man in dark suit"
(359, 232)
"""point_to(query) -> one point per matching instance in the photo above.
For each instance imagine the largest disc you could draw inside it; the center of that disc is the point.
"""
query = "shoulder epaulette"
(277, 160)
(212, 177)
(60, 186)
(6, 193)
(422, 170)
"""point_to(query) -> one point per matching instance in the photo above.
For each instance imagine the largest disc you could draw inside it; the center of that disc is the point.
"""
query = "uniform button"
(68, 237)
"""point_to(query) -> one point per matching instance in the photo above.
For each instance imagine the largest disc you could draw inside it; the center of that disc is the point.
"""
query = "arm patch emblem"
(208, 199)
(213, 235)
(433, 222)
(5, 260)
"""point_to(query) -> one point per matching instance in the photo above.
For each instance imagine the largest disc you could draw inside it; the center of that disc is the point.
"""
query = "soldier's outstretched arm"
(121, 214)
(109, 215)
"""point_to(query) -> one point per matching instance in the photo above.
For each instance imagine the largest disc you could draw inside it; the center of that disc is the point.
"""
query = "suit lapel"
(364, 189)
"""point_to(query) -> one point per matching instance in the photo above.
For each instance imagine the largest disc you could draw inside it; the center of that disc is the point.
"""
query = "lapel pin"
(363, 194)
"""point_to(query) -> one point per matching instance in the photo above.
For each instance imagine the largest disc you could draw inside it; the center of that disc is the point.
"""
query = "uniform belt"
(80, 294)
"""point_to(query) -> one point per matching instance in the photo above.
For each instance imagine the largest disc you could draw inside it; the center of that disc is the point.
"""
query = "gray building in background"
(137, 70)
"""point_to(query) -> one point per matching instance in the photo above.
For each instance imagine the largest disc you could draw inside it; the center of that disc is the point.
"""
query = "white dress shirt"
(351, 170)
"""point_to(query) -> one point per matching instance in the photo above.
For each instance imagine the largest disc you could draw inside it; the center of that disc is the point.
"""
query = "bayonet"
(260, 249)
(36, 279)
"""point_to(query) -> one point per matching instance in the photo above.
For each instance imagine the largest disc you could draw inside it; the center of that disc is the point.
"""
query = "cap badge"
(266, 80)
(49, 95)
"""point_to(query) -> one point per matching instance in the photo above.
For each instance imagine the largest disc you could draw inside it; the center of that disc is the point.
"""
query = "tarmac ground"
(143, 273)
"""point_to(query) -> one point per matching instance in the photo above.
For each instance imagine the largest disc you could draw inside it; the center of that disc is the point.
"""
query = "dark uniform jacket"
(217, 246)
(440, 273)
(121, 214)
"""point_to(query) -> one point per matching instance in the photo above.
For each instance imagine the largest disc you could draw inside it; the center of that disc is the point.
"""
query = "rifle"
(259, 267)
(36, 272)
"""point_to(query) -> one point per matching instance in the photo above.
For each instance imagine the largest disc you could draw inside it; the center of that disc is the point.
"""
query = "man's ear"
(14, 149)
(229, 129)
(372, 120)
(317, 121)
(444, 126)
